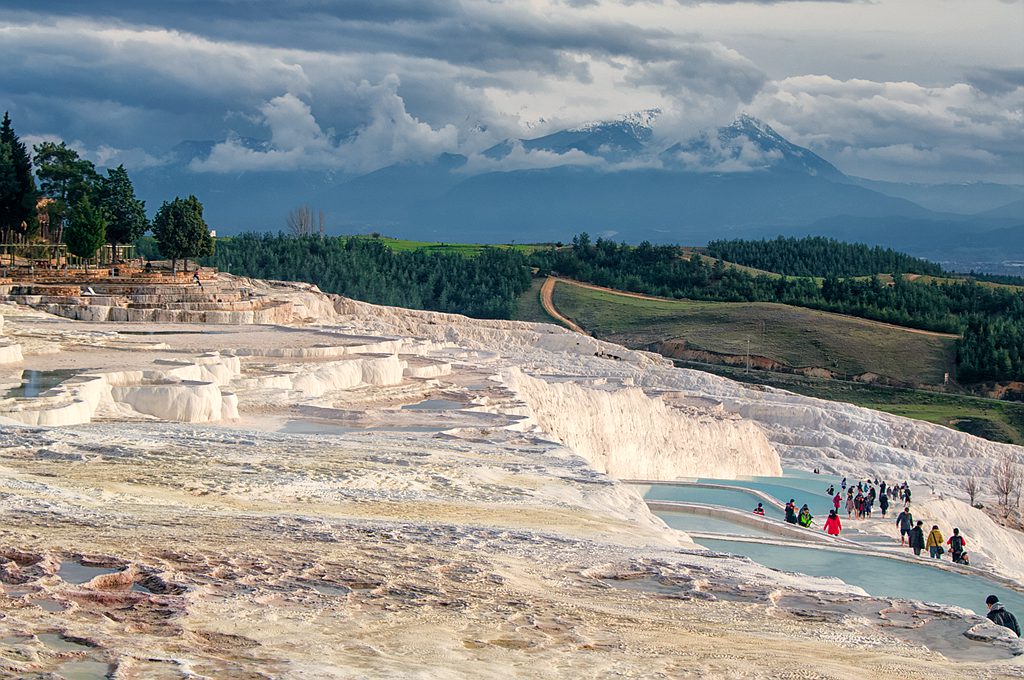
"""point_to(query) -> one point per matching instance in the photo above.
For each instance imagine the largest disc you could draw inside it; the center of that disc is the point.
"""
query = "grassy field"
(466, 249)
(791, 336)
(530, 308)
(1001, 421)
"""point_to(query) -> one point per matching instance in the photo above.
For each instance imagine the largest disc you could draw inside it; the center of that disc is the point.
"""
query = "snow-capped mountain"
(743, 179)
(613, 141)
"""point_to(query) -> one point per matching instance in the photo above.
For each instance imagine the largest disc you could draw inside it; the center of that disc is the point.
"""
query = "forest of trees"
(819, 256)
(991, 319)
(485, 286)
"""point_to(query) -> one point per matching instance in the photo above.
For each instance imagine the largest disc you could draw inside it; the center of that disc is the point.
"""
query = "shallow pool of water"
(34, 383)
(877, 575)
(686, 521)
(327, 427)
(75, 572)
(83, 670)
(61, 643)
(436, 405)
(730, 498)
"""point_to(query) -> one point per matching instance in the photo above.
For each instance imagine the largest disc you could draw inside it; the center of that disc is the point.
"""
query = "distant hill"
(613, 177)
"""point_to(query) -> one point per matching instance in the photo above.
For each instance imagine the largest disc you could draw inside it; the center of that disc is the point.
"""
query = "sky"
(900, 90)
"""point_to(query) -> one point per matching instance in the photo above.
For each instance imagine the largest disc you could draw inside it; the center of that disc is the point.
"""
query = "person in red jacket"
(837, 500)
(832, 525)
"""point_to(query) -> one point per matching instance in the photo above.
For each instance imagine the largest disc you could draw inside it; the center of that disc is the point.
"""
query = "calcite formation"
(360, 492)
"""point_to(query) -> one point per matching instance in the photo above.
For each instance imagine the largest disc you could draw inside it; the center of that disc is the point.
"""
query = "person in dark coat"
(791, 511)
(883, 502)
(917, 538)
(999, 616)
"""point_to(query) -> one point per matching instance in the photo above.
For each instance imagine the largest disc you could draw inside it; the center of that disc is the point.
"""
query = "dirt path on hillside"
(549, 305)
(549, 286)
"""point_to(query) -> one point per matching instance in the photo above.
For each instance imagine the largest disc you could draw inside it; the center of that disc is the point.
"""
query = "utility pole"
(748, 354)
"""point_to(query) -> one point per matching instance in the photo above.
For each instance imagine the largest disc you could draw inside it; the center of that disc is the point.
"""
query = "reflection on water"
(75, 572)
(34, 383)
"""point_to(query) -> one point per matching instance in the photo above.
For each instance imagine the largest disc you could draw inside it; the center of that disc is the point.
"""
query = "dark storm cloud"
(998, 80)
(347, 84)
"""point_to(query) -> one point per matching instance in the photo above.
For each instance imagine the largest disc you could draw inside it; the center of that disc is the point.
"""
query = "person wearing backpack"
(934, 543)
(957, 546)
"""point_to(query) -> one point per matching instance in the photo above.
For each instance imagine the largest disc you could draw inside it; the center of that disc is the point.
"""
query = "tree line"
(819, 256)
(83, 208)
(485, 286)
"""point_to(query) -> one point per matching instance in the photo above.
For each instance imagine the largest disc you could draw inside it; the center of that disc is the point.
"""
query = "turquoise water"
(878, 575)
(686, 521)
(730, 498)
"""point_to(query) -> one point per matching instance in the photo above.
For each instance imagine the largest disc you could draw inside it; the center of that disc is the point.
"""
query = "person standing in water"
(934, 543)
(917, 538)
(837, 500)
(832, 525)
(999, 616)
(850, 503)
(883, 501)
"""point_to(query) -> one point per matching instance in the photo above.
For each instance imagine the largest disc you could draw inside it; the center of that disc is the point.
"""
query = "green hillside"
(790, 337)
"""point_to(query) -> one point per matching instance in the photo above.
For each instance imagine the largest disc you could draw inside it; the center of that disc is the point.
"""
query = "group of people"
(912, 534)
(859, 501)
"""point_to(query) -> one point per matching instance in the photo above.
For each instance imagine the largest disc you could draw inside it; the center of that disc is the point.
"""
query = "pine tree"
(18, 196)
(125, 214)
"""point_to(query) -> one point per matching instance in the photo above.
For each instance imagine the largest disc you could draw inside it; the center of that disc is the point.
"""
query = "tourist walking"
(917, 538)
(934, 543)
(837, 500)
(999, 616)
(883, 501)
(957, 546)
(832, 525)
(805, 517)
(905, 521)
(868, 502)
(791, 511)
(858, 504)
(850, 504)
(843, 485)
(759, 510)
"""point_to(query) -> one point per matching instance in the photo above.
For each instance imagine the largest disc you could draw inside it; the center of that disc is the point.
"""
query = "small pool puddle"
(48, 604)
(34, 383)
(60, 643)
(84, 670)
(76, 572)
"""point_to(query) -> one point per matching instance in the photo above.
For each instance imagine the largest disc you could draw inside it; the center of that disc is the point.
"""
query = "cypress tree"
(18, 195)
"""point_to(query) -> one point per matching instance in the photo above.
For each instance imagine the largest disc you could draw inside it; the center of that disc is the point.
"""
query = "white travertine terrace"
(364, 491)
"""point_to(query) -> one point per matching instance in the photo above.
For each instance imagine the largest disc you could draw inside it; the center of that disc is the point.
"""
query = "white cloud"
(298, 142)
(885, 128)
